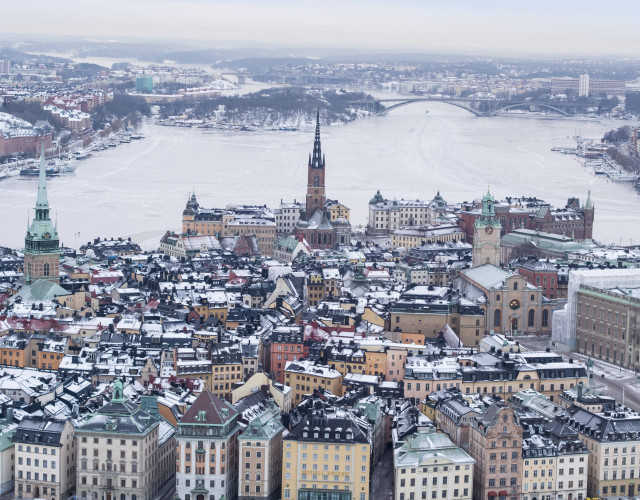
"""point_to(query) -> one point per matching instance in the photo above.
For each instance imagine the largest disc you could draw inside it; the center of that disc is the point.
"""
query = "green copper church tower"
(486, 234)
(41, 244)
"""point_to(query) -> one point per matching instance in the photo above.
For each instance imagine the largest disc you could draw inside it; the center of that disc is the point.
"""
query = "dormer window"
(201, 416)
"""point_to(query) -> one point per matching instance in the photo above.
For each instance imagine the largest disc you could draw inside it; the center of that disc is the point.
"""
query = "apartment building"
(428, 465)
(125, 451)
(327, 455)
(495, 442)
(305, 376)
(260, 456)
(45, 452)
(207, 450)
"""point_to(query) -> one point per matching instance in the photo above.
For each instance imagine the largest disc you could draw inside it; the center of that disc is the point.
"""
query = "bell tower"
(41, 244)
(316, 196)
(486, 234)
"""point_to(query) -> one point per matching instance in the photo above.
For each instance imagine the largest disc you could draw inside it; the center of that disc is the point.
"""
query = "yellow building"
(413, 237)
(346, 359)
(613, 441)
(326, 455)
(305, 376)
(263, 230)
(337, 210)
(227, 371)
(315, 288)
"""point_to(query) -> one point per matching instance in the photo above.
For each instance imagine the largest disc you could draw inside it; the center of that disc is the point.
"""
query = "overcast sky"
(475, 26)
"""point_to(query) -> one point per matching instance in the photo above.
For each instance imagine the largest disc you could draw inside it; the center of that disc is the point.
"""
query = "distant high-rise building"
(5, 66)
(588, 87)
(583, 85)
(144, 84)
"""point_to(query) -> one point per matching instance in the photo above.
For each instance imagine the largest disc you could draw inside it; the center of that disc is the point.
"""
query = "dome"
(188, 211)
(376, 199)
(341, 221)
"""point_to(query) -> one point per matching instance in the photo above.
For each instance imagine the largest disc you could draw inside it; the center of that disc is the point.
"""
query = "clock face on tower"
(47, 236)
(514, 304)
(488, 230)
(316, 191)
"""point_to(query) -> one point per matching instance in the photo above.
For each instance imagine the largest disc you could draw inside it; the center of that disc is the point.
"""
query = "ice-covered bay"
(139, 189)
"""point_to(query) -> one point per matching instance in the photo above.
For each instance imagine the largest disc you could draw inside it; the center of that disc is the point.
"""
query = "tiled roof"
(209, 409)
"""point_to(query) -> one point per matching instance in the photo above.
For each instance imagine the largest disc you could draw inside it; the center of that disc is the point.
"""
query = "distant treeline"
(121, 106)
(29, 111)
(333, 104)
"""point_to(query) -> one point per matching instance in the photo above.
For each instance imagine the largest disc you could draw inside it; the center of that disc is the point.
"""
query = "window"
(532, 318)
(497, 317)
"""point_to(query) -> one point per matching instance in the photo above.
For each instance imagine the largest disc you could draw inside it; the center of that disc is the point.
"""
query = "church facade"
(42, 244)
(316, 225)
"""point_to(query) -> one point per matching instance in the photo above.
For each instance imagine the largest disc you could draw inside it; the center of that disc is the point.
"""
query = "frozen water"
(140, 189)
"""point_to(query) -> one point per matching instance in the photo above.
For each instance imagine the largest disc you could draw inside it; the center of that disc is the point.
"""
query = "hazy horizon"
(500, 29)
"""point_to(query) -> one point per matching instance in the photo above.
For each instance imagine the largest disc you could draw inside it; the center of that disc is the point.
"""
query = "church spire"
(589, 204)
(317, 160)
(42, 203)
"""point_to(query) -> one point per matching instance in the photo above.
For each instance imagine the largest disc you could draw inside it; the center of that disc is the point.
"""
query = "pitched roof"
(209, 409)
(41, 290)
(487, 275)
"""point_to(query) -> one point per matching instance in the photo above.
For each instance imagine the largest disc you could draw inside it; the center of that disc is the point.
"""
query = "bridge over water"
(479, 107)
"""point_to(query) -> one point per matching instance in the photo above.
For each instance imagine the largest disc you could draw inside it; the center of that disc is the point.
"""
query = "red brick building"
(532, 213)
(287, 344)
(25, 141)
(315, 225)
(539, 273)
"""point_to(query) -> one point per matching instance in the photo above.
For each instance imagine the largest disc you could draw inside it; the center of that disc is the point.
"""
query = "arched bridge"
(479, 107)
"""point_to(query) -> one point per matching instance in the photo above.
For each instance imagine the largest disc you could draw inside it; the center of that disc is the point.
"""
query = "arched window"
(545, 317)
(123, 497)
(532, 317)
(316, 181)
(497, 317)
(515, 285)
(46, 269)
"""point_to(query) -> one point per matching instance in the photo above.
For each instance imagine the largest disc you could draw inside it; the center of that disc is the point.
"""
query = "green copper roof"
(42, 229)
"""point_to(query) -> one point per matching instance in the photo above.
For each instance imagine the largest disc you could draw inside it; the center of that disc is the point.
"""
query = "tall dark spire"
(317, 160)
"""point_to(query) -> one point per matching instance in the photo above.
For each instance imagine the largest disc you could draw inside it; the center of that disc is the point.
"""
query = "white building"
(429, 465)
(386, 216)
(287, 216)
(43, 458)
(583, 85)
(207, 462)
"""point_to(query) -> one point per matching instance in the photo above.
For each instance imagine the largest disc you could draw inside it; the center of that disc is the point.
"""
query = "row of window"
(434, 494)
(37, 462)
(570, 485)
(36, 476)
(95, 481)
(503, 481)
(310, 495)
(434, 481)
(45, 490)
(36, 449)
